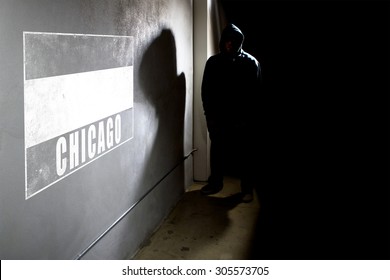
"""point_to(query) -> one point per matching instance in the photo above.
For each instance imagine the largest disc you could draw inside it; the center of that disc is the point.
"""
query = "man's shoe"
(210, 189)
(247, 197)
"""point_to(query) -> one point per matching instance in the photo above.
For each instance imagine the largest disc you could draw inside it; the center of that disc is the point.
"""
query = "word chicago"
(84, 145)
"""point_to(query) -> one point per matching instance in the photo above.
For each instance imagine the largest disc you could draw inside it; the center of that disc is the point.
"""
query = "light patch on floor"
(202, 227)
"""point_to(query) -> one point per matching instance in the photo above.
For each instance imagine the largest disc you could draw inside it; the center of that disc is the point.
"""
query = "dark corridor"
(323, 126)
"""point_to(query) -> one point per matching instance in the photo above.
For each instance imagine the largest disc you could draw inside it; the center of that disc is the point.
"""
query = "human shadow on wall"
(165, 91)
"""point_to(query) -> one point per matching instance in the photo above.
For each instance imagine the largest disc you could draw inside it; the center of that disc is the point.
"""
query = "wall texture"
(209, 19)
(107, 194)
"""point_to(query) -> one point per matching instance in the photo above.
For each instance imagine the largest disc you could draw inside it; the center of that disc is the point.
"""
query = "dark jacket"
(231, 81)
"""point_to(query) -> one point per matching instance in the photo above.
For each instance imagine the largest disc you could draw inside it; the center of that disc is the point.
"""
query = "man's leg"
(215, 181)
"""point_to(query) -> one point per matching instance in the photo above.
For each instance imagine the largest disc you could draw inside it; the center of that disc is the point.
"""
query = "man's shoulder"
(214, 60)
(215, 57)
(248, 56)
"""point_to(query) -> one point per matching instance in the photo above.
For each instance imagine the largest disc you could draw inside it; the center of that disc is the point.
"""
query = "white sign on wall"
(78, 102)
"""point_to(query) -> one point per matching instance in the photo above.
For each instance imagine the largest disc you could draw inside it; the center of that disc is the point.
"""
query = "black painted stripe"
(41, 158)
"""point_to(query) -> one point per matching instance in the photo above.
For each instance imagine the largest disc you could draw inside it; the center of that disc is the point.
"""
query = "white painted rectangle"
(56, 105)
(78, 102)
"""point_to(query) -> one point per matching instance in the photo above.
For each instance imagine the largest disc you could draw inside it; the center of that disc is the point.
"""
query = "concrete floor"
(203, 227)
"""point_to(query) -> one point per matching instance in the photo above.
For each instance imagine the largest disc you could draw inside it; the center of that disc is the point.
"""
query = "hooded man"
(230, 88)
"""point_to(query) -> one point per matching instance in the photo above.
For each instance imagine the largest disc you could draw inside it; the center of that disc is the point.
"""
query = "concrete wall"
(95, 124)
(209, 19)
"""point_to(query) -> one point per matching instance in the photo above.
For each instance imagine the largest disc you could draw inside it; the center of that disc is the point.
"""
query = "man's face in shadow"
(229, 47)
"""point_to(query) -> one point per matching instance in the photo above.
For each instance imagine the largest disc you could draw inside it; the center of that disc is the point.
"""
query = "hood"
(231, 33)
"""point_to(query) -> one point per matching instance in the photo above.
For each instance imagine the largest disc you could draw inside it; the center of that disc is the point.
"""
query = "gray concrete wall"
(95, 124)
(209, 19)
